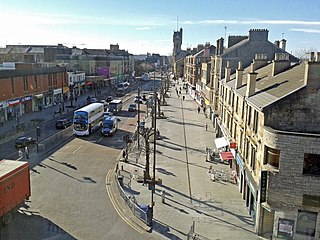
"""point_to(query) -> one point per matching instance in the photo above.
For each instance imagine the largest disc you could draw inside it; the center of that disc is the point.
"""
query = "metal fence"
(55, 139)
(140, 211)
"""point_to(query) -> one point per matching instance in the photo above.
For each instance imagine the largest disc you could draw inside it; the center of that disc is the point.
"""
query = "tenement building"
(271, 112)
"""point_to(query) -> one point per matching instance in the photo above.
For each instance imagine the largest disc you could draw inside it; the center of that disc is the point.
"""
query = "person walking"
(198, 109)
(183, 97)
(26, 149)
(206, 126)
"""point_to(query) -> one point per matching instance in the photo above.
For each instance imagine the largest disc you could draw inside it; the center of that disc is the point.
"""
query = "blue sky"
(143, 26)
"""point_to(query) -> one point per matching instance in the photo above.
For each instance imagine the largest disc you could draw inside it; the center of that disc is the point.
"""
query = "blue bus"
(87, 119)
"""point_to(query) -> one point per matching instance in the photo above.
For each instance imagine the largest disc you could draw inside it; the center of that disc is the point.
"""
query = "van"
(115, 106)
(109, 125)
(122, 86)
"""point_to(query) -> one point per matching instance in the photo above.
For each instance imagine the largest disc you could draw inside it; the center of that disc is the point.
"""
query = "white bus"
(87, 119)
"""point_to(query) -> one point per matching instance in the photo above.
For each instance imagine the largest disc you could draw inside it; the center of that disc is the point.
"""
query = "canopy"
(221, 142)
(225, 156)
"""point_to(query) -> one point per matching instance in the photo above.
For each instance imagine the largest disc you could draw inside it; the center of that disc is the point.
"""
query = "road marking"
(118, 210)
(77, 149)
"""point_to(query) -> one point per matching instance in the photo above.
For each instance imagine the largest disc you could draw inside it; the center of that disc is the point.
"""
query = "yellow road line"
(118, 210)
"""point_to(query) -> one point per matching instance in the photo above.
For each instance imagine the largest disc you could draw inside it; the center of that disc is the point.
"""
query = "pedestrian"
(26, 149)
(198, 109)
(204, 109)
(183, 97)
(76, 99)
(206, 126)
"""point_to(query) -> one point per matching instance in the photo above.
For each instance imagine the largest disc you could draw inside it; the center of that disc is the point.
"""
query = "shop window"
(311, 164)
(306, 224)
(272, 157)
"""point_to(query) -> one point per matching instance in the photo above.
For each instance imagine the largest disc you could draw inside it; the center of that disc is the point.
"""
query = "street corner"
(121, 203)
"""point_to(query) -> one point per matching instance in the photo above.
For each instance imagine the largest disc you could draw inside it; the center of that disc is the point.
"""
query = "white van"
(115, 106)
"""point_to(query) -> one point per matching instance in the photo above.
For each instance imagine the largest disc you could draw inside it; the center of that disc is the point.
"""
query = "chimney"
(280, 63)
(207, 49)
(318, 57)
(251, 82)
(228, 72)
(219, 49)
(283, 44)
(277, 43)
(239, 73)
(260, 60)
(312, 56)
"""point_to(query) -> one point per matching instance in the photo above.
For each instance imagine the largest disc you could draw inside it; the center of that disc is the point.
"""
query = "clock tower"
(177, 42)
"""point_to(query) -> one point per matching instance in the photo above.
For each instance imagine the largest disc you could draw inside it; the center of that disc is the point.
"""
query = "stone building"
(270, 115)
(193, 67)
(242, 49)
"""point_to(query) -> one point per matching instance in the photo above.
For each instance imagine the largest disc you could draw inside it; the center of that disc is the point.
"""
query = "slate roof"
(271, 89)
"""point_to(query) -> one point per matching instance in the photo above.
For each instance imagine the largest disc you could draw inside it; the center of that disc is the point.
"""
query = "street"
(69, 198)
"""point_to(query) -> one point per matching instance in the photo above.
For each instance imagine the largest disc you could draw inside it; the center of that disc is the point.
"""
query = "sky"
(144, 26)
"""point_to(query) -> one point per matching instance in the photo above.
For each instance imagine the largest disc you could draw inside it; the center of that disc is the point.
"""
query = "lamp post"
(153, 181)
(138, 138)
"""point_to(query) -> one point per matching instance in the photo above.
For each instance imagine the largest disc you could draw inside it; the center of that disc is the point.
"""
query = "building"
(27, 90)
(193, 67)
(242, 49)
(270, 117)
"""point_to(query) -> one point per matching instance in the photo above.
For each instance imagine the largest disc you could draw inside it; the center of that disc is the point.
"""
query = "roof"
(271, 89)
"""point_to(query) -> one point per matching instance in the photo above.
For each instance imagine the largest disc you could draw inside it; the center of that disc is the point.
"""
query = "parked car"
(94, 100)
(63, 123)
(24, 141)
(120, 93)
(132, 107)
(109, 99)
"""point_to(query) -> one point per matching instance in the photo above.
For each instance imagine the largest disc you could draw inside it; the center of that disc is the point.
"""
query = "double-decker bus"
(87, 119)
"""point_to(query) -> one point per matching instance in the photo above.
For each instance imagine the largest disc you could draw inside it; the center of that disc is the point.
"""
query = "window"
(249, 116)
(236, 106)
(253, 158)
(36, 82)
(25, 83)
(255, 121)
(306, 224)
(311, 164)
(272, 157)
(12, 85)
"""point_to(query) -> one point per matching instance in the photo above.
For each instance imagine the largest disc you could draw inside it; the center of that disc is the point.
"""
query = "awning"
(225, 156)
(221, 142)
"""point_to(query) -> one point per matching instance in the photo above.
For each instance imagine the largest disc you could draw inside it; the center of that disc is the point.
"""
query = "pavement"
(193, 204)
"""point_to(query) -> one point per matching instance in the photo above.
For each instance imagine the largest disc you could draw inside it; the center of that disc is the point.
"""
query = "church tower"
(177, 42)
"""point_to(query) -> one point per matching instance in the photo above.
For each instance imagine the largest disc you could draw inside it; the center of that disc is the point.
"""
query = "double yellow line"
(116, 206)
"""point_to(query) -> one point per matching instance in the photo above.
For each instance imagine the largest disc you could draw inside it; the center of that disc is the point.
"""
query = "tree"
(146, 133)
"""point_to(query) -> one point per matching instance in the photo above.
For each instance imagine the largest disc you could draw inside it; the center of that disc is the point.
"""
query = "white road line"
(77, 149)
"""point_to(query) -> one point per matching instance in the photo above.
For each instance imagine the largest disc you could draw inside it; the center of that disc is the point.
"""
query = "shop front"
(37, 102)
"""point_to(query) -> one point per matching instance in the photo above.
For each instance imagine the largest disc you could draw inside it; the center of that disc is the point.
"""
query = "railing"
(131, 202)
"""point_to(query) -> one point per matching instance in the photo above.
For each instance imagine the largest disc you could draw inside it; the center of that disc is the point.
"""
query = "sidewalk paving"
(215, 207)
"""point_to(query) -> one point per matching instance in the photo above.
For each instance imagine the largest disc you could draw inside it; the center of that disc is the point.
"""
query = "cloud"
(247, 22)
(306, 30)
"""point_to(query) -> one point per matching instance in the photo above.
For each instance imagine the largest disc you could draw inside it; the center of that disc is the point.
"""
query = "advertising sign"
(285, 228)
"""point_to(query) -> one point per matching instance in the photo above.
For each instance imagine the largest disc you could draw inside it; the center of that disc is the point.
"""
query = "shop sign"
(27, 98)
(263, 186)
(285, 228)
(14, 101)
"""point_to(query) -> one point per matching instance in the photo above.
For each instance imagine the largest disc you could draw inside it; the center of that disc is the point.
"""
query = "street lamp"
(153, 181)
(139, 115)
